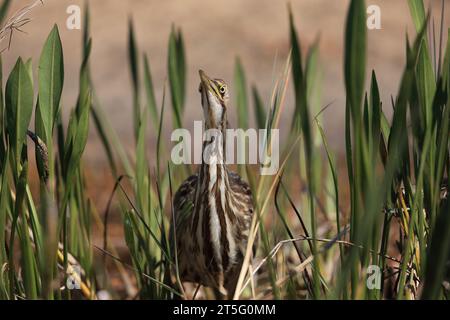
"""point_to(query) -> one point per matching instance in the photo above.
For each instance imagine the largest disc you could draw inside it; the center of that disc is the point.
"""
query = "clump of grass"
(314, 249)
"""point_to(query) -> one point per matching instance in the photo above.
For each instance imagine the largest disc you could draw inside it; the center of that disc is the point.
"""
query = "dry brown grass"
(16, 22)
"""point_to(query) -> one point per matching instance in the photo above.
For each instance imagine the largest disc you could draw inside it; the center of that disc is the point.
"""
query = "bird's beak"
(206, 82)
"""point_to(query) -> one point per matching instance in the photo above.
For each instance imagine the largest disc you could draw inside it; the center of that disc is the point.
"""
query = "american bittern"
(212, 209)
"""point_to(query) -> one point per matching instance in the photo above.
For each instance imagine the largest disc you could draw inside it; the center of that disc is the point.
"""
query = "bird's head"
(214, 93)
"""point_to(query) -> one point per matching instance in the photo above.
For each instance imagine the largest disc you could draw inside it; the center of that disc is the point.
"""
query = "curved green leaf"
(19, 106)
(177, 74)
(51, 79)
(241, 94)
(4, 9)
(355, 55)
(417, 10)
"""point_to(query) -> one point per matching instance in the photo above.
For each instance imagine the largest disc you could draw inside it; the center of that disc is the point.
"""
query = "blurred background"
(215, 34)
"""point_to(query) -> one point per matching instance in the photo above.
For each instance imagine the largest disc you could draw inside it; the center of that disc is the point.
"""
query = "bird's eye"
(222, 89)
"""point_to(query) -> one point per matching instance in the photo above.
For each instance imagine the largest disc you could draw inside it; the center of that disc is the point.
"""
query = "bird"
(212, 209)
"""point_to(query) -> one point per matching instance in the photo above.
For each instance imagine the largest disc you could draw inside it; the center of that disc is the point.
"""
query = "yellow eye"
(222, 89)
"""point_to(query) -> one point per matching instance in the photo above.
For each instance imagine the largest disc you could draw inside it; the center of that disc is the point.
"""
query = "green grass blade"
(355, 55)
(19, 106)
(334, 175)
(446, 63)
(4, 10)
(260, 112)
(297, 71)
(437, 261)
(375, 103)
(86, 28)
(426, 84)
(151, 100)
(2, 106)
(159, 139)
(241, 94)
(181, 58)
(142, 191)
(18, 212)
(177, 75)
(303, 120)
(51, 80)
(134, 69)
(28, 261)
(442, 148)
(354, 74)
(3, 206)
(78, 129)
(106, 140)
(313, 76)
(417, 11)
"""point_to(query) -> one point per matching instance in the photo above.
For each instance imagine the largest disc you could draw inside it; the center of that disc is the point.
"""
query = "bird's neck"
(213, 206)
(214, 171)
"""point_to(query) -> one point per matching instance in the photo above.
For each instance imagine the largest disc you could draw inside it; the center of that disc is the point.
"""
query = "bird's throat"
(212, 209)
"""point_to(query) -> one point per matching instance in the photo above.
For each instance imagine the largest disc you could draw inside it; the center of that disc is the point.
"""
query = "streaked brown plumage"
(213, 209)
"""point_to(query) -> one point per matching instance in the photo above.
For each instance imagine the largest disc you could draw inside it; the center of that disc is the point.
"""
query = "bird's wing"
(242, 188)
(183, 200)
